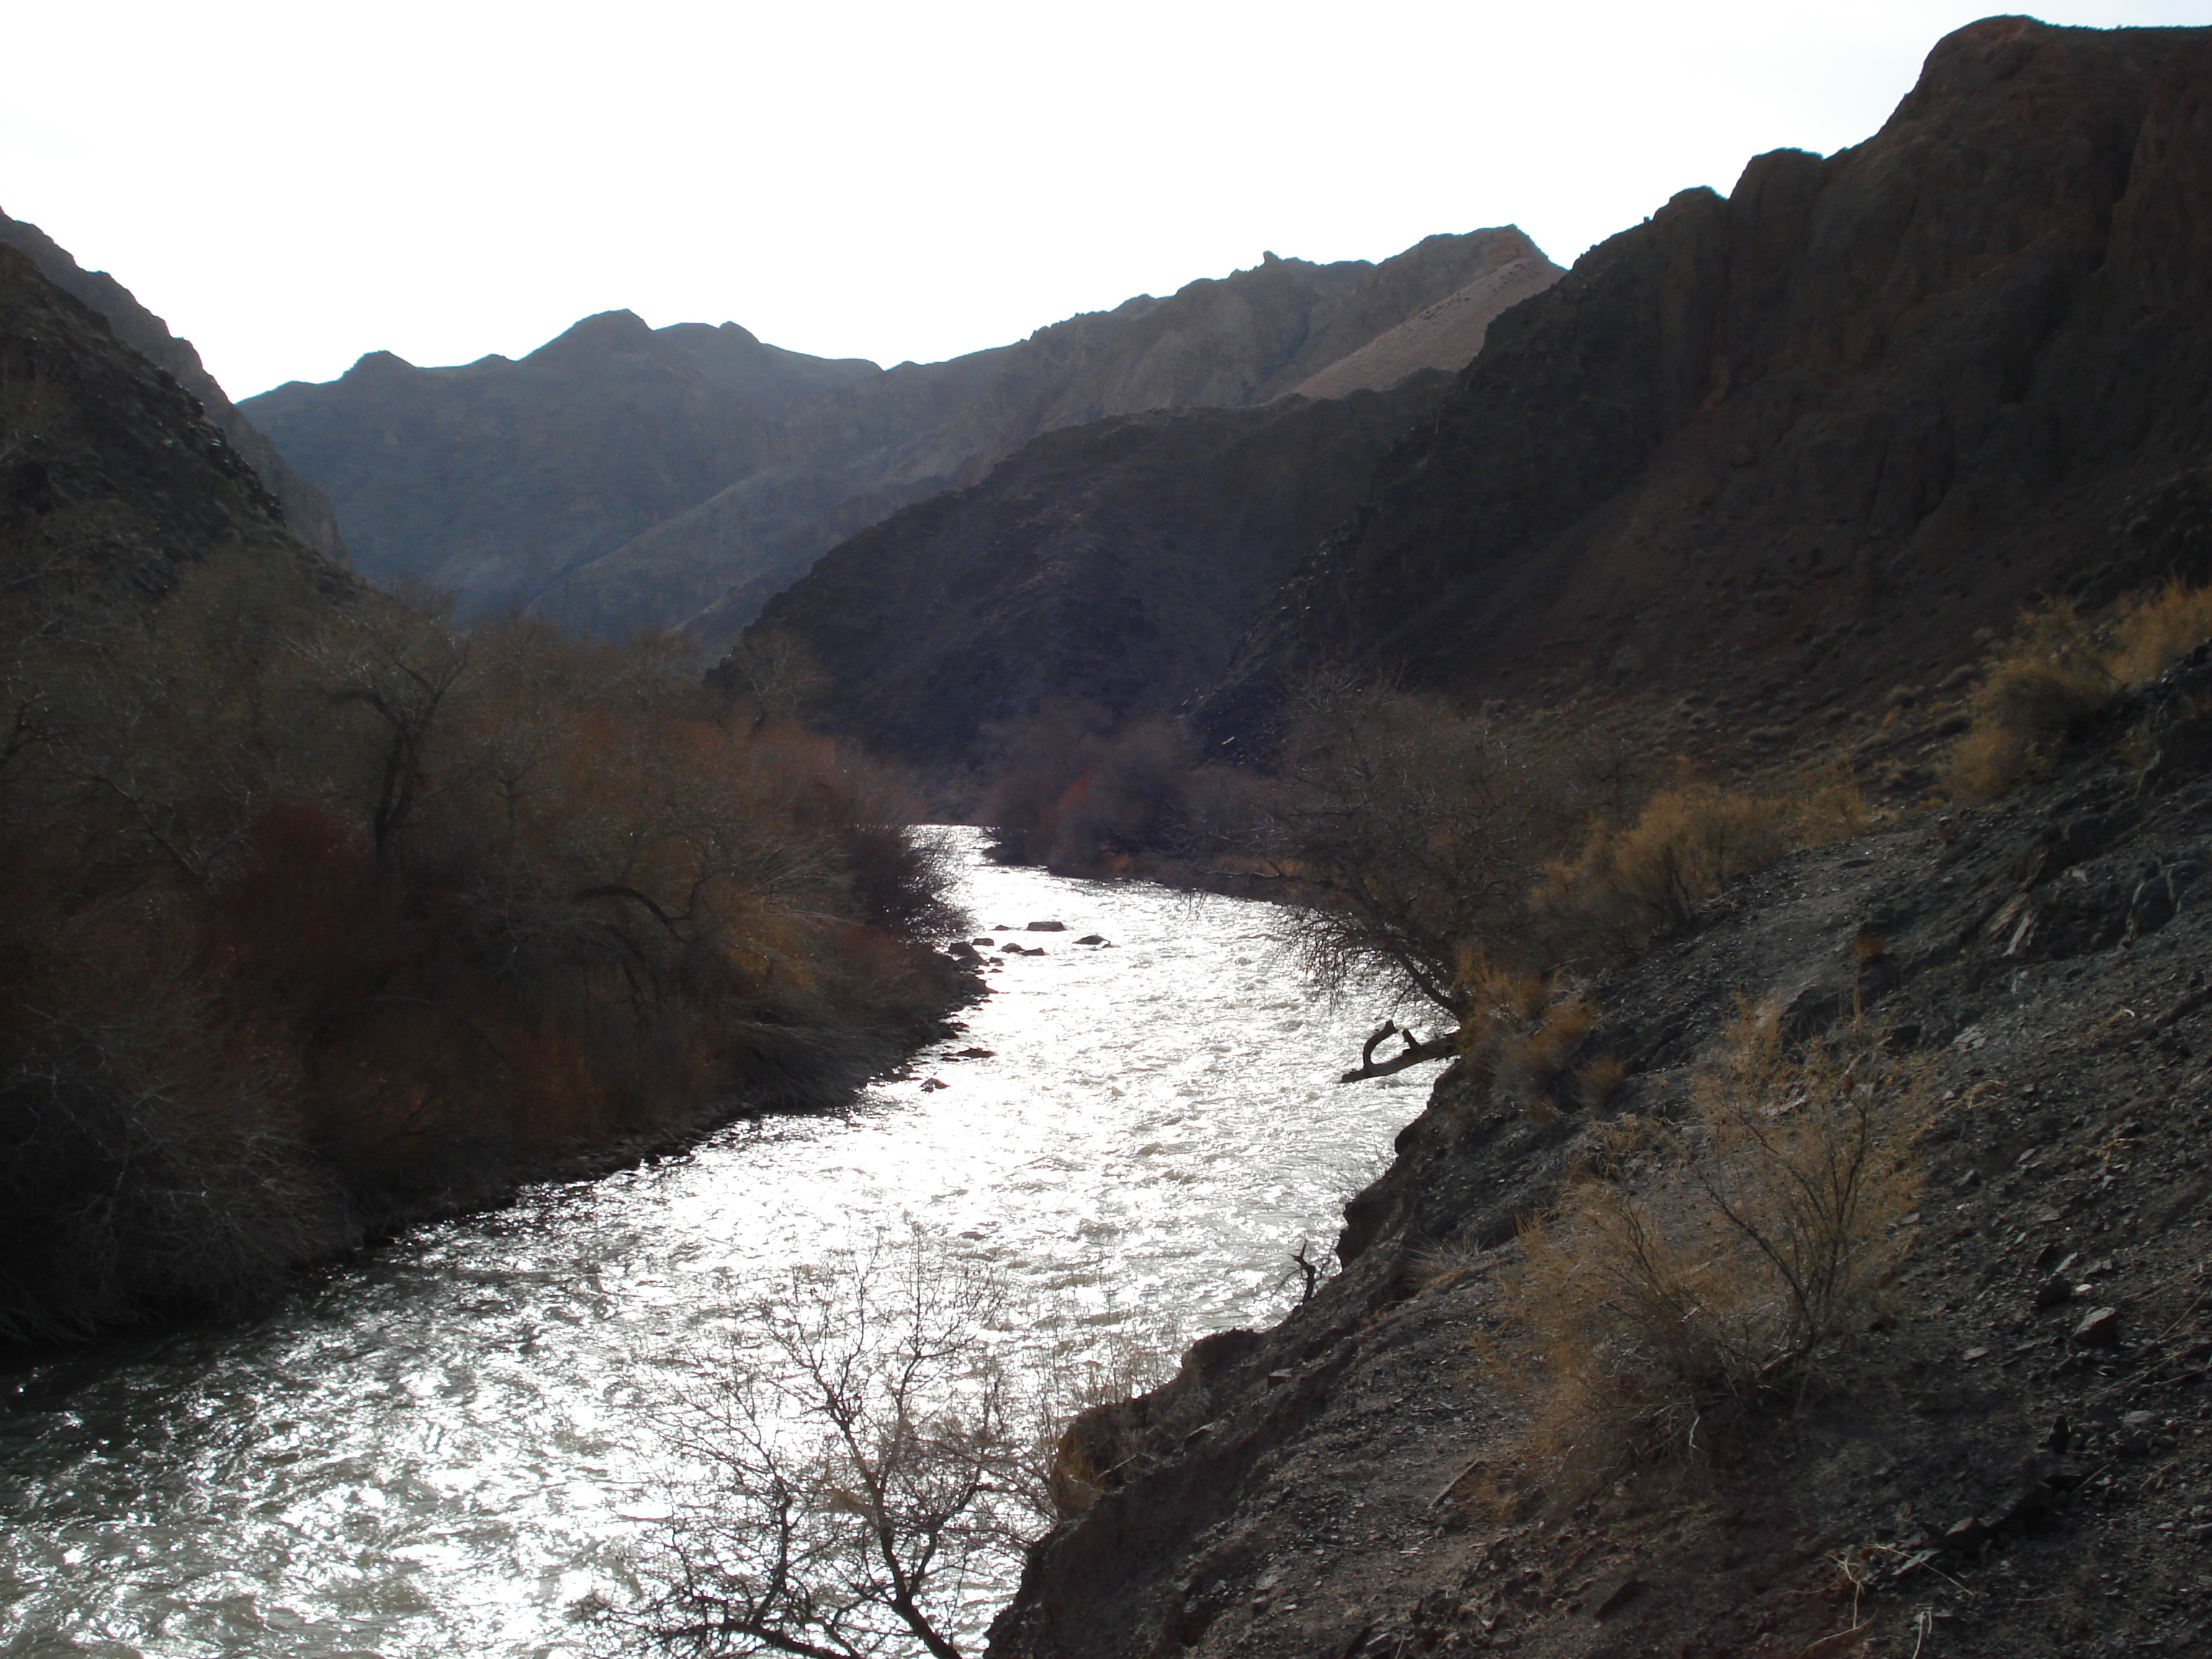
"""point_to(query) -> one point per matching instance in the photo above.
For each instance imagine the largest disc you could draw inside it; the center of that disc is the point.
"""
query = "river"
(439, 1448)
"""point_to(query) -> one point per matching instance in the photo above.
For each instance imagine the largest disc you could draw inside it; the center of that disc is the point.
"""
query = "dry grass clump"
(1707, 1279)
(1523, 1030)
(2042, 688)
(2039, 690)
(1627, 884)
(2156, 629)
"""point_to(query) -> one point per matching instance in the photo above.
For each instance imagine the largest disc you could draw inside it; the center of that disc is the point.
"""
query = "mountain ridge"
(690, 501)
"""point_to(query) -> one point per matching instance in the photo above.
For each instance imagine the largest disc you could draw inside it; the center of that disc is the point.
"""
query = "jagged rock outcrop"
(306, 508)
(622, 476)
(1813, 434)
(1114, 562)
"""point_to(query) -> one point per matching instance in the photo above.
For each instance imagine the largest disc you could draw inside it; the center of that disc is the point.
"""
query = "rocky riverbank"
(2011, 1464)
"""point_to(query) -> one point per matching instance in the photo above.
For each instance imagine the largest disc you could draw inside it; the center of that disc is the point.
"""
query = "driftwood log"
(1414, 1052)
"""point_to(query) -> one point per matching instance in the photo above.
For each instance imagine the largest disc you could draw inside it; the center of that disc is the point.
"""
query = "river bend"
(438, 1448)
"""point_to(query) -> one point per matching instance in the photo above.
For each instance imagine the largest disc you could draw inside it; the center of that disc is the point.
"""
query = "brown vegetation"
(1698, 1274)
(1631, 883)
(1077, 795)
(2043, 687)
(322, 914)
(1438, 856)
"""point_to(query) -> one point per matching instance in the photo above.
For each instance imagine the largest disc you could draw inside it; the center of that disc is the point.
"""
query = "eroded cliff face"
(1115, 563)
(306, 508)
(1814, 433)
(622, 476)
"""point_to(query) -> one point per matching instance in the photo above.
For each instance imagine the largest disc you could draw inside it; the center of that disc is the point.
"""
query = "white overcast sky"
(294, 184)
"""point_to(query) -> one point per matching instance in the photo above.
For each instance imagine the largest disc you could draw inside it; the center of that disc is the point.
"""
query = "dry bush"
(1708, 1280)
(1519, 1033)
(2154, 630)
(1628, 885)
(1400, 833)
(2042, 688)
(874, 1443)
(2038, 690)
(1599, 1081)
(1077, 794)
(865, 1461)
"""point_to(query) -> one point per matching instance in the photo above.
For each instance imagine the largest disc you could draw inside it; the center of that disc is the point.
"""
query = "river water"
(439, 1449)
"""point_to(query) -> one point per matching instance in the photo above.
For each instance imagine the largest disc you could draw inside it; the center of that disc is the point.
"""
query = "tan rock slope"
(1448, 335)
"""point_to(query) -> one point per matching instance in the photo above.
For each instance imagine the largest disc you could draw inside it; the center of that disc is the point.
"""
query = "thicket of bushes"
(320, 913)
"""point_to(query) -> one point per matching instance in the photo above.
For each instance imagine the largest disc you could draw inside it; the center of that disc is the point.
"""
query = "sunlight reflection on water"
(439, 1450)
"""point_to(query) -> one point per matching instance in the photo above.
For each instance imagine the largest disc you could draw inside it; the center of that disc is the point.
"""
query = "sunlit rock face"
(623, 476)
(1816, 431)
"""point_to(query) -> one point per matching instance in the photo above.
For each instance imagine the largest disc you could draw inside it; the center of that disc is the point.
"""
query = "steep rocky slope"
(1813, 434)
(621, 476)
(1114, 562)
(105, 462)
(306, 508)
(2010, 1463)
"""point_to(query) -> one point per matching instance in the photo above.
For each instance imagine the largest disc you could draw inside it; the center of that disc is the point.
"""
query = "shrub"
(1628, 885)
(1076, 794)
(2041, 689)
(1399, 833)
(872, 1446)
(2154, 630)
(1672, 1300)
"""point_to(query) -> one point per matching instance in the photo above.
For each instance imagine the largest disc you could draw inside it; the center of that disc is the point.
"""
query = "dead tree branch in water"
(1414, 1054)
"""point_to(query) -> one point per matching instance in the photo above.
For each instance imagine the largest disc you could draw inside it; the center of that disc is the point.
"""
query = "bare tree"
(869, 1457)
(775, 669)
(1402, 837)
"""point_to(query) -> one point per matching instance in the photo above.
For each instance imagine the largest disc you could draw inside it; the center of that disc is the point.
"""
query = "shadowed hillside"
(1113, 563)
(1809, 436)
(306, 509)
(621, 477)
